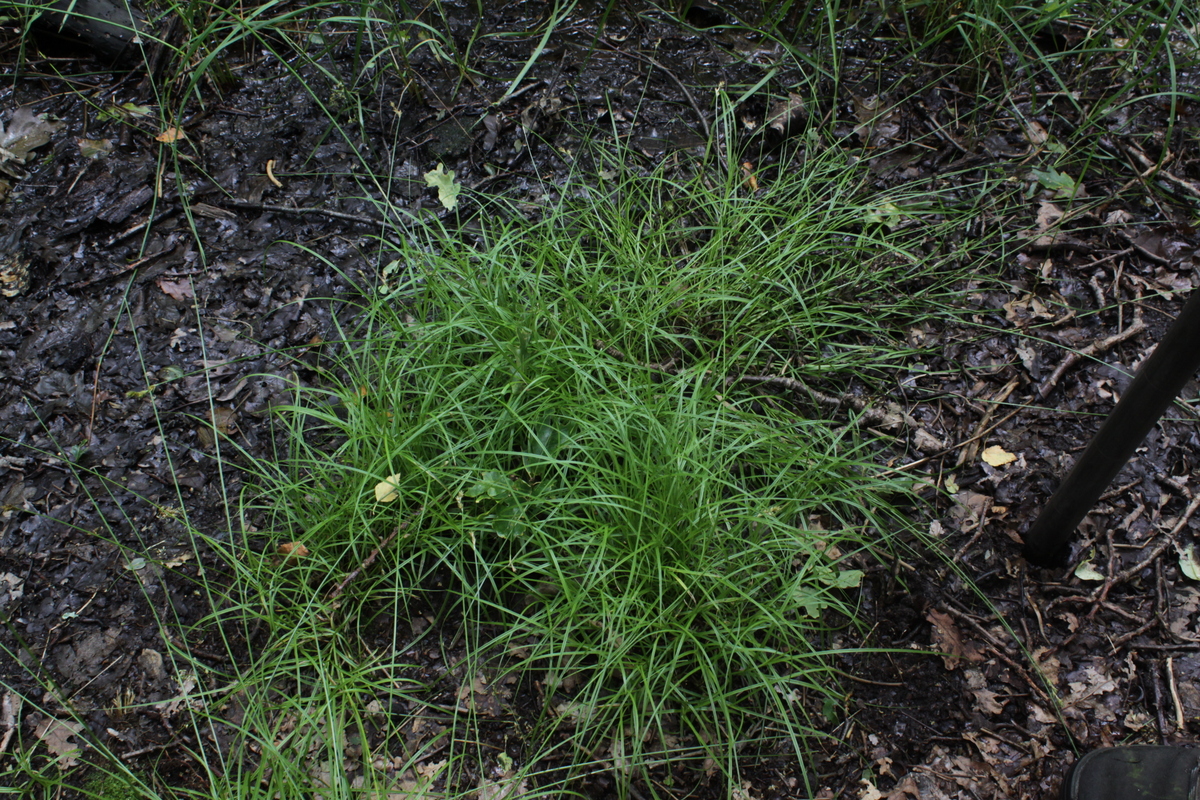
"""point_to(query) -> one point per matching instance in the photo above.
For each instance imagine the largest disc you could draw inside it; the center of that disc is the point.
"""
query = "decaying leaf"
(1187, 562)
(997, 456)
(386, 491)
(179, 290)
(292, 550)
(448, 190)
(1086, 571)
(949, 641)
(171, 135)
(56, 734)
(26, 131)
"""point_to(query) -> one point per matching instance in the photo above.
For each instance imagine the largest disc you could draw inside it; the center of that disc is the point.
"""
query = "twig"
(369, 560)
(1153, 170)
(998, 649)
(969, 448)
(123, 270)
(1095, 348)
(1179, 722)
(324, 212)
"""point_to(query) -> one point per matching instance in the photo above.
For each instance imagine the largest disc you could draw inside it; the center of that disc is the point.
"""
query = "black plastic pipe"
(1157, 383)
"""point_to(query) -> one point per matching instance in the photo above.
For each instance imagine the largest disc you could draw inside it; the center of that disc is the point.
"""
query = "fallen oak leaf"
(56, 735)
(176, 290)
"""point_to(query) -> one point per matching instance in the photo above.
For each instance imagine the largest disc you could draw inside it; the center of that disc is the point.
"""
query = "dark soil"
(169, 296)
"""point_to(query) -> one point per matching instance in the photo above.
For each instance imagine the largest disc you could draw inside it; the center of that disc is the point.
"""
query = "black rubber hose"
(1155, 386)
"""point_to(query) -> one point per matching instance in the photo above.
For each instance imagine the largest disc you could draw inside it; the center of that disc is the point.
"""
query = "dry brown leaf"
(176, 290)
(949, 641)
(56, 735)
(293, 550)
(171, 135)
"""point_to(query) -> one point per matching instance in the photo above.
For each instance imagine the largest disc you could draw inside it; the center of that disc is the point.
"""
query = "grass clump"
(544, 438)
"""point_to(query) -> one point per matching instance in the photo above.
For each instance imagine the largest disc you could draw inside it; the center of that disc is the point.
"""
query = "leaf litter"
(1093, 650)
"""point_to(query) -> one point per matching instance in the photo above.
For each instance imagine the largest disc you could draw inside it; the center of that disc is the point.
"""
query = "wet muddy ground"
(170, 294)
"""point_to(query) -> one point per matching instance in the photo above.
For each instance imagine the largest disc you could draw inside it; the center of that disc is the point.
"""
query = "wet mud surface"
(174, 297)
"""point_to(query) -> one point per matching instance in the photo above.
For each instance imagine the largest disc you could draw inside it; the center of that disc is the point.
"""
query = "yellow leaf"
(171, 134)
(385, 491)
(997, 456)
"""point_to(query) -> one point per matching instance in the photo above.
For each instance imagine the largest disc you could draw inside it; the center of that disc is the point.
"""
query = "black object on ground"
(1139, 772)
(1156, 385)
(114, 31)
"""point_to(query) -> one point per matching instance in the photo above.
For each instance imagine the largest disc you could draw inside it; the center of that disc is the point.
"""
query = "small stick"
(123, 270)
(888, 420)
(1093, 349)
(1180, 725)
(369, 560)
(301, 211)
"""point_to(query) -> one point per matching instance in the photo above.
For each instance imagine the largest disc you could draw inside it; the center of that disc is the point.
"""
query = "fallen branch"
(1154, 170)
(893, 419)
(1094, 349)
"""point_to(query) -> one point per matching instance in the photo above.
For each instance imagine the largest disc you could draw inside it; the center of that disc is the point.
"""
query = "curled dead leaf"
(179, 290)
(386, 491)
(293, 550)
(171, 135)
(949, 641)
